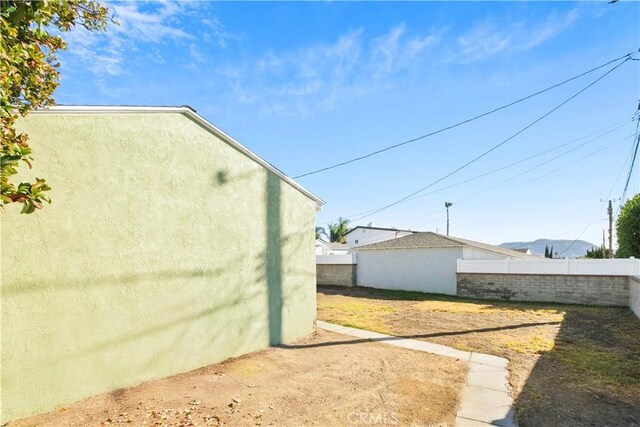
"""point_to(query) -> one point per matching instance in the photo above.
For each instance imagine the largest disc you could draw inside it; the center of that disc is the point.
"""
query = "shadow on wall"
(272, 265)
(133, 279)
(273, 258)
(591, 376)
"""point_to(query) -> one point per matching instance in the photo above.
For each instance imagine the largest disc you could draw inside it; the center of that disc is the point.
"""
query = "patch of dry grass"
(357, 314)
(530, 344)
(552, 315)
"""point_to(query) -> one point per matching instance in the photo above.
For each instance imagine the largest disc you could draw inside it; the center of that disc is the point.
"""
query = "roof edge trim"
(364, 247)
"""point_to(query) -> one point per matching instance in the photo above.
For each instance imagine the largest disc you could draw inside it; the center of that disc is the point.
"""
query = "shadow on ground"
(570, 365)
(591, 376)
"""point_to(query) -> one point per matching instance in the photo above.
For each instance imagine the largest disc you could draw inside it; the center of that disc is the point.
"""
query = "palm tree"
(338, 230)
(320, 232)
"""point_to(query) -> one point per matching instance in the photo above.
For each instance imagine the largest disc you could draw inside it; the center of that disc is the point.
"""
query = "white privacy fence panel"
(597, 267)
(336, 259)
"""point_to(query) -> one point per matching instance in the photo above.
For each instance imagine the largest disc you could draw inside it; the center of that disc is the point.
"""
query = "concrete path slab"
(411, 344)
(487, 376)
(489, 359)
(485, 399)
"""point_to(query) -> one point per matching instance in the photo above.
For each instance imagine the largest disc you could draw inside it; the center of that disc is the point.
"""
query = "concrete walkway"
(485, 400)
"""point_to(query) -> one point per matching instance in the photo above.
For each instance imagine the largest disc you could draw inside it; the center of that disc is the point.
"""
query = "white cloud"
(104, 53)
(150, 26)
(195, 53)
(321, 75)
(395, 51)
(489, 38)
(216, 32)
(553, 25)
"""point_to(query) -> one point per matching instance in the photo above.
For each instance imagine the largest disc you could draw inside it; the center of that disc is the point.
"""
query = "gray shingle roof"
(433, 240)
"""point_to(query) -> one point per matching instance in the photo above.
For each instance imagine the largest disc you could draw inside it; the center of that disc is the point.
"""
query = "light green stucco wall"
(164, 250)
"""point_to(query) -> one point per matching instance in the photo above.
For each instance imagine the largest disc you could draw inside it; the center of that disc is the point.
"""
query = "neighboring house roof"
(379, 228)
(341, 246)
(191, 114)
(523, 250)
(331, 245)
(433, 240)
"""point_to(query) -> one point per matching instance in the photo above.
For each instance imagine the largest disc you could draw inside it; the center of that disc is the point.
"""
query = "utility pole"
(448, 205)
(610, 212)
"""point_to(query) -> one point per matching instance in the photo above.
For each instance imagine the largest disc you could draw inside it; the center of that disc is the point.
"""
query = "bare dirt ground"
(323, 379)
(569, 365)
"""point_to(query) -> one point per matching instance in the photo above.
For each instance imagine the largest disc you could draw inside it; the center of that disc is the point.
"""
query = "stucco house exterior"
(366, 235)
(424, 262)
(168, 246)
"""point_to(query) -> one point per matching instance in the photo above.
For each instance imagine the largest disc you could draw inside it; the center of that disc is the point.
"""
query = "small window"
(356, 240)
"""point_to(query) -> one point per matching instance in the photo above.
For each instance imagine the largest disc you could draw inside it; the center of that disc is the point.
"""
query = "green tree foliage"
(597, 253)
(338, 230)
(548, 251)
(628, 228)
(320, 232)
(29, 76)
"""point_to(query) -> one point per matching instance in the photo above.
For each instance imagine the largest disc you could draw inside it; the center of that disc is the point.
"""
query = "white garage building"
(424, 262)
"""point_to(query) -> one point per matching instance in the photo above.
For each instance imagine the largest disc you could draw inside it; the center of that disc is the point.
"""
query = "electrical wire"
(607, 130)
(495, 147)
(606, 198)
(479, 116)
(522, 161)
(511, 178)
(633, 161)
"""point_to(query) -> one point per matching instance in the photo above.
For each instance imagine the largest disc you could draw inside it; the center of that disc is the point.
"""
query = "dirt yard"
(569, 365)
(320, 380)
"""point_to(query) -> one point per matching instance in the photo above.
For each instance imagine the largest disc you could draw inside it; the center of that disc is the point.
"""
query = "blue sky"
(307, 85)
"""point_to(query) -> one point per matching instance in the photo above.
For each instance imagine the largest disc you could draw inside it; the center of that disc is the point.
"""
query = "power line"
(606, 198)
(593, 153)
(511, 178)
(504, 181)
(607, 130)
(476, 194)
(391, 147)
(524, 160)
(495, 147)
(633, 160)
(575, 161)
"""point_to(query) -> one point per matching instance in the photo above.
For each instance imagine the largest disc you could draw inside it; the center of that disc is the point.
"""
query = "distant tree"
(31, 38)
(551, 253)
(338, 230)
(597, 253)
(628, 228)
(546, 251)
(320, 232)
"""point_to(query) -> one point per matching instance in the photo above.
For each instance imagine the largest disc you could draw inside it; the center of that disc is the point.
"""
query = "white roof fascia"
(192, 114)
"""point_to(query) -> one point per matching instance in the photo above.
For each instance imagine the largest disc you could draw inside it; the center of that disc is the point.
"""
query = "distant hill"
(579, 248)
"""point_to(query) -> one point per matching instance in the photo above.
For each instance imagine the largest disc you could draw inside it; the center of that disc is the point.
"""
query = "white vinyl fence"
(336, 259)
(587, 267)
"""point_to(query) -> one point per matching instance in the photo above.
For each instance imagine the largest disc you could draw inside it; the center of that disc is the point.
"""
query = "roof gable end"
(192, 115)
